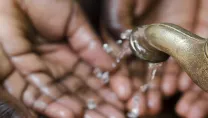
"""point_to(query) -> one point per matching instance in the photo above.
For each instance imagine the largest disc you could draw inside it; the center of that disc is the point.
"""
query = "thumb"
(117, 16)
(63, 18)
(5, 65)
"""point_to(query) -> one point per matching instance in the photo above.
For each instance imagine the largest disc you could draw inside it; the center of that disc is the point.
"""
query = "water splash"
(134, 113)
(103, 76)
(124, 52)
(107, 48)
(119, 42)
(152, 69)
(91, 104)
(126, 34)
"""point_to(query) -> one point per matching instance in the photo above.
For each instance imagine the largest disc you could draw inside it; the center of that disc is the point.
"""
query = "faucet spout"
(156, 42)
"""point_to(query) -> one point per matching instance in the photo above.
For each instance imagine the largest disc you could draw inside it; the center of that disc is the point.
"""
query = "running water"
(104, 76)
(152, 69)
(91, 104)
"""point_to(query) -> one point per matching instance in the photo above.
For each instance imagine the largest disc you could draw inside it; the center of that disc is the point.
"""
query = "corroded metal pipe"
(155, 42)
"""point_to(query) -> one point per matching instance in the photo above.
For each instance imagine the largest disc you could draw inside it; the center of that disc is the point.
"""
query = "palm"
(39, 55)
(119, 16)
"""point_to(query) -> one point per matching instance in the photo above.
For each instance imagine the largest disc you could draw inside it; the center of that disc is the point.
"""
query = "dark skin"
(120, 15)
(12, 108)
(42, 42)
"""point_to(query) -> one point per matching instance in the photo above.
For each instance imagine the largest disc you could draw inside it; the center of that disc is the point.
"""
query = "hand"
(42, 42)
(125, 14)
(193, 103)
(120, 15)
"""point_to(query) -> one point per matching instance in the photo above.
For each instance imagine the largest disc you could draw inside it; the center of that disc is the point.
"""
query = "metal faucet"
(156, 42)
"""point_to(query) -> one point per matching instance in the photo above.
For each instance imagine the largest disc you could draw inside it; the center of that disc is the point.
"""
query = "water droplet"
(144, 87)
(119, 42)
(152, 69)
(134, 113)
(107, 48)
(118, 60)
(105, 77)
(91, 104)
(126, 34)
(114, 65)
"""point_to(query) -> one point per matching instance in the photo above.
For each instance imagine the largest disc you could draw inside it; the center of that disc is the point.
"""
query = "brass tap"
(156, 42)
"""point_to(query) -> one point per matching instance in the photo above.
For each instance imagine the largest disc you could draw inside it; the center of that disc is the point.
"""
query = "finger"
(94, 83)
(72, 83)
(43, 104)
(72, 103)
(56, 57)
(5, 65)
(90, 98)
(154, 101)
(185, 103)
(109, 111)
(110, 97)
(44, 83)
(56, 110)
(184, 82)
(78, 87)
(154, 96)
(169, 85)
(29, 95)
(114, 12)
(19, 50)
(198, 109)
(137, 71)
(70, 23)
(141, 6)
(121, 85)
(196, 88)
(202, 22)
(84, 41)
(106, 93)
(169, 81)
(93, 114)
(178, 10)
(15, 84)
(83, 70)
(137, 103)
(137, 83)
(11, 107)
(205, 95)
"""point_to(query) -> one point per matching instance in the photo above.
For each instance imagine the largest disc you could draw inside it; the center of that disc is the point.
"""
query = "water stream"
(104, 76)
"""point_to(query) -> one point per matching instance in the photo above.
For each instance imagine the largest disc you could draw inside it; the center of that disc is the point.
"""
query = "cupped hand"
(41, 43)
(121, 15)
(193, 103)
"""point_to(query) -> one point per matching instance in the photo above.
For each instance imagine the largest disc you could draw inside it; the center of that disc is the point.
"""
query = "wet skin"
(120, 15)
(47, 45)
(43, 42)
